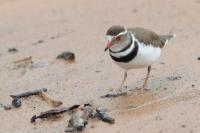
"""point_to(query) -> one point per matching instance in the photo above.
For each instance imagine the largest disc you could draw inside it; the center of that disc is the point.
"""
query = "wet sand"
(45, 28)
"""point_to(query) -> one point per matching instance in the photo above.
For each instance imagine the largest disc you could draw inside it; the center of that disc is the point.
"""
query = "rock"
(104, 116)
(67, 56)
(16, 102)
(13, 50)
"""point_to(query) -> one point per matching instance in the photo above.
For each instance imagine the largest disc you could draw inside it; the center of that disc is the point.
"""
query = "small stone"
(183, 126)
(16, 102)
(193, 85)
(38, 42)
(104, 116)
(12, 50)
(67, 56)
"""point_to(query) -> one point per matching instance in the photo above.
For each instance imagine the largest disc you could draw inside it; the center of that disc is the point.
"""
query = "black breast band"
(128, 57)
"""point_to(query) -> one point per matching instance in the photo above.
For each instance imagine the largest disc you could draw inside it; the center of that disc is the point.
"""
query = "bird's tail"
(165, 38)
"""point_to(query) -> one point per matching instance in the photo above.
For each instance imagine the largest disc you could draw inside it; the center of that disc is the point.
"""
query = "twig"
(49, 99)
(114, 95)
(54, 112)
(29, 93)
(27, 59)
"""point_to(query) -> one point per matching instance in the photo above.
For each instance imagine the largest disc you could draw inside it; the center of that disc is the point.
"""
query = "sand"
(45, 28)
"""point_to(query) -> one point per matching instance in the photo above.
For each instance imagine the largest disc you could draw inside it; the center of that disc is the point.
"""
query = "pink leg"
(146, 79)
(125, 77)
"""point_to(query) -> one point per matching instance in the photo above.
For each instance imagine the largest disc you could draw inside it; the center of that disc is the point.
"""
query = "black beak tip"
(105, 49)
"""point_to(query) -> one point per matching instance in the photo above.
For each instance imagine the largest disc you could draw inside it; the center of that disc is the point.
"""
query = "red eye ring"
(118, 38)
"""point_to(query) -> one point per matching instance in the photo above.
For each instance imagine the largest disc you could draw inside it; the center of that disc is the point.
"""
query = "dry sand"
(172, 106)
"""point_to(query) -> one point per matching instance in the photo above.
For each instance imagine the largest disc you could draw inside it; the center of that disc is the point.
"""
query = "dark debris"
(172, 78)
(67, 56)
(80, 115)
(38, 42)
(104, 116)
(79, 118)
(193, 85)
(54, 112)
(113, 95)
(13, 50)
(16, 102)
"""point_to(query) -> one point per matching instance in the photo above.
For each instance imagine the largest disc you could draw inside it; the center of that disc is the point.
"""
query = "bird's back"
(148, 37)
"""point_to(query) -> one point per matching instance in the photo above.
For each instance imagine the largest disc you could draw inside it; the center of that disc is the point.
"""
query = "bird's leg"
(146, 79)
(119, 92)
(124, 79)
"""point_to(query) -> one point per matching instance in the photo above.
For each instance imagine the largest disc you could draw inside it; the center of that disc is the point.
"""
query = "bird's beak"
(109, 44)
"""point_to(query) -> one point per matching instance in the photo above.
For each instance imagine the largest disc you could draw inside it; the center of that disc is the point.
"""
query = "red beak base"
(109, 44)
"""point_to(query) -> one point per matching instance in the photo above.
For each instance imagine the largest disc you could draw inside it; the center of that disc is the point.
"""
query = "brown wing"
(165, 38)
(147, 37)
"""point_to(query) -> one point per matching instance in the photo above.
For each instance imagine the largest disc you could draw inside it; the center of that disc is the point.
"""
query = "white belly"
(146, 56)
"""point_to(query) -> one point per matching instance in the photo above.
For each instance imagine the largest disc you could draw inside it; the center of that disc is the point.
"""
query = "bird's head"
(118, 37)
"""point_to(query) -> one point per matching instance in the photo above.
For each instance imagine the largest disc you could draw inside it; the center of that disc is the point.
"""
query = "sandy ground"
(171, 106)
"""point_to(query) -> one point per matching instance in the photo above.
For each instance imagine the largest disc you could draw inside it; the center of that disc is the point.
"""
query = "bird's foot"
(117, 93)
(143, 89)
(119, 90)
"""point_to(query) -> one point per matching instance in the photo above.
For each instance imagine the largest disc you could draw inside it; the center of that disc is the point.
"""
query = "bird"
(134, 48)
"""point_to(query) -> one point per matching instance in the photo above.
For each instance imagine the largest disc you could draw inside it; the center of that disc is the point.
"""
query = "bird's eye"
(118, 38)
